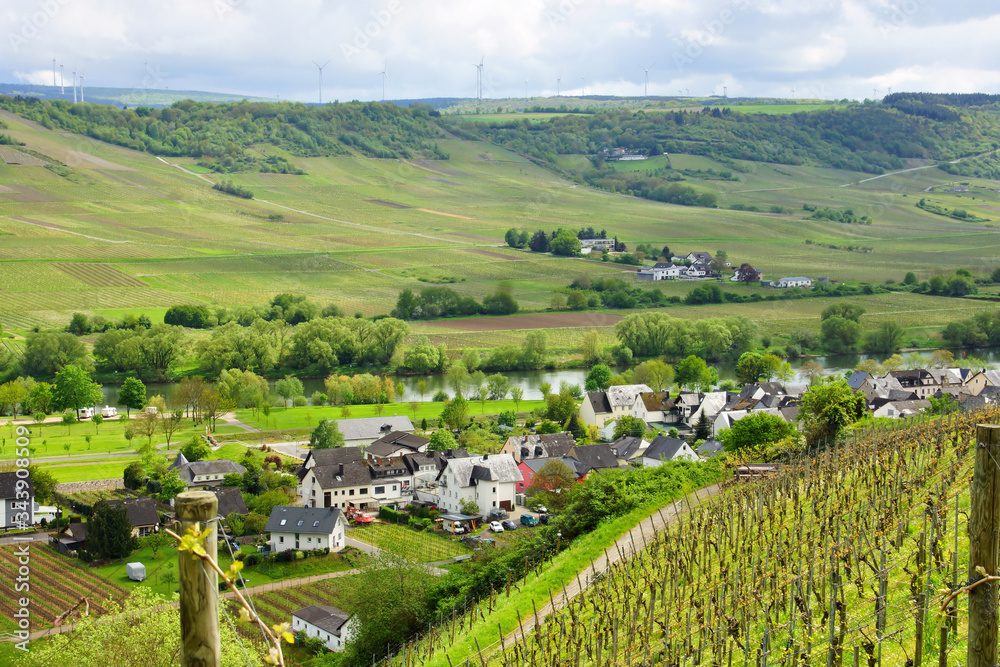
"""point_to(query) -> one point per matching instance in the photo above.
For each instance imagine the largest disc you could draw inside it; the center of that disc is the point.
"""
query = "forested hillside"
(220, 134)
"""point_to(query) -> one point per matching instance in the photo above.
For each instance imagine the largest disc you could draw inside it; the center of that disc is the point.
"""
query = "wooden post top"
(196, 505)
(988, 434)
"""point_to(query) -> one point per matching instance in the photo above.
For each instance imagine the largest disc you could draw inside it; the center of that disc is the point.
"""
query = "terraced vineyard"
(56, 585)
(420, 547)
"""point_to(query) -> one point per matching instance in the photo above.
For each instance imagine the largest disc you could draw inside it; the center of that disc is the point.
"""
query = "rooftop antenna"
(320, 68)
(54, 73)
(793, 91)
(62, 81)
(645, 89)
(384, 76)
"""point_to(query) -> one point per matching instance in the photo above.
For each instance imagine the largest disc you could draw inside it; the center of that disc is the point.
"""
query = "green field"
(420, 547)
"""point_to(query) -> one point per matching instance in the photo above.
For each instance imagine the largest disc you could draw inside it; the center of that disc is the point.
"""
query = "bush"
(440, 396)
(252, 559)
(390, 515)
(86, 557)
(299, 555)
(300, 401)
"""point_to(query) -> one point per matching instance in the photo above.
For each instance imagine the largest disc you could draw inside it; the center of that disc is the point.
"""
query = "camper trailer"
(108, 411)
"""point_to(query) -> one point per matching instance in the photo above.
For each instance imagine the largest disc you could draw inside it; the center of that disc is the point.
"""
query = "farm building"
(798, 281)
(333, 626)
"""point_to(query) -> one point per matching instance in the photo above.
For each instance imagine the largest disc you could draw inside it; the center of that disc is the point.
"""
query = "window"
(363, 491)
(315, 524)
(380, 489)
(281, 539)
(352, 492)
(283, 522)
(299, 523)
(393, 487)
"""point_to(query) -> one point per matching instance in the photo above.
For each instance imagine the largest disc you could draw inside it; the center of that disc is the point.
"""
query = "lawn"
(84, 472)
(418, 546)
(309, 416)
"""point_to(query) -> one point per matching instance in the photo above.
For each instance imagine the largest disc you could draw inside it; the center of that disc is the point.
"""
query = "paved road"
(626, 546)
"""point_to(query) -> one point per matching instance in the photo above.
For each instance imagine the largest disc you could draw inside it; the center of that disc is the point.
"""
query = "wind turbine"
(81, 88)
(74, 84)
(558, 82)
(479, 77)
(53, 72)
(583, 87)
(725, 91)
(525, 89)
(320, 68)
(62, 81)
(384, 76)
(645, 90)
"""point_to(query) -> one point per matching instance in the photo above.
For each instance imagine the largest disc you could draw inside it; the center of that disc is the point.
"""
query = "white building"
(488, 481)
(798, 281)
(15, 512)
(600, 407)
(333, 626)
(306, 528)
(661, 271)
(664, 448)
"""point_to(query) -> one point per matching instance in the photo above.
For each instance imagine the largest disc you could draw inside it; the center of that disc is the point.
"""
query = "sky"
(429, 48)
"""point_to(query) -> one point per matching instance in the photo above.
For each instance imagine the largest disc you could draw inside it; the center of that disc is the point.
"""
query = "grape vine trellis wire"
(841, 558)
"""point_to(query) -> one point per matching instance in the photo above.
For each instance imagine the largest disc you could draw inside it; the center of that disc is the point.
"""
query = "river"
(531, 381)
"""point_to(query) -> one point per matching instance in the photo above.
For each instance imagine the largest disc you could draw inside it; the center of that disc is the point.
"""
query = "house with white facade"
(664, 448)
(660, 271)
(797, 281)
(333, 626)
(205, 474)
(488, 481)
(306, 528)
(600, 407)
(394, 444)
(17, 499)
(355, 484)
(363, 431)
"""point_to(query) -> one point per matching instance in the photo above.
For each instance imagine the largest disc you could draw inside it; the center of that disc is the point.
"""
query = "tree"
(421, 388)
(196, 449)
(41, 398)
(630, 426)
(516, 395)
(109, 532)
(599, 378)
(703, 428)
(911, 279)
(693, 372)
(69, 418)
(170, 422)
(658, 375)
(132, 395)
(484, 395)
(554, 481)
(289, 387)
(43, 482)
(326, 435)
(812, 371)
(749, 368)
(747, 274)
(46, 354)
(455, 413)
(458, 378)
(155, 541)
(74, 389)
(848, 311)
(539, 242)
(170, 485)
(566, 244)
(147, 424)
(12, 395)
(887, 338)
(441, 440)
(840, 334)
(754, 430)
(559, 407)
(828, 407)
(134, 476)
(499, 386)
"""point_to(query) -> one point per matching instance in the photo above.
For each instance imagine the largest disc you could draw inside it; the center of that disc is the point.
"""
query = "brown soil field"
(25, 195)
(447, 215)
(266, 230)
(537, 321)
(49, 225)
(102, 221)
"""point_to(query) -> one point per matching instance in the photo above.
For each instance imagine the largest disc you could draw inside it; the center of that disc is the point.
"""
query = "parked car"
(458, 529)
(496, 527)
(544, 518)
(497, 514)
(529, 520)
(508, 525)
(539, 508)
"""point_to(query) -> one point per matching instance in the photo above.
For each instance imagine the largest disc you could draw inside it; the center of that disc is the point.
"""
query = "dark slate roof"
(230, 500)
(440, 459)
(626, 446)
(594, 457)
(663, 447)
(141, 511)
(329, 457)
(575, 466)
(656, 401)
(312, 520)
(546, 445)
(599, 402)
(495, 468)
(328, 619)
(857, 379)
(709, 448)
(8, 485)
(391, 443)
(355, 473)
(188, 471)
(78, 531)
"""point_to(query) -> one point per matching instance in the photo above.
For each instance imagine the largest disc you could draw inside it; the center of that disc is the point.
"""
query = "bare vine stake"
(199, 600)
(984, 523)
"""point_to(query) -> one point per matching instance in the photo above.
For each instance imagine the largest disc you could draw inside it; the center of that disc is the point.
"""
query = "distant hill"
(120, 97)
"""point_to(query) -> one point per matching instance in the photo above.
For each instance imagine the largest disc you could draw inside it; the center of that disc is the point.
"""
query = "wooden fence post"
(984, 530)
(199, 604)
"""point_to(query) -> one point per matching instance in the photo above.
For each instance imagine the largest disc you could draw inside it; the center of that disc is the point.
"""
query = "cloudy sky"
(818, 48)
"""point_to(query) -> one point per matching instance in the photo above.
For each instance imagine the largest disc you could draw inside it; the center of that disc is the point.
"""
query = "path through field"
(627, 546)
(893, 173)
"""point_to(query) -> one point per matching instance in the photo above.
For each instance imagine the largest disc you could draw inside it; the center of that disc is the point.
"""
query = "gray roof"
(395, 441)
(8, 485)
(622, 395)
(594, 457)
(373, 428)
(663, 447)
(626, 446)
(188, 471)
(440, 459)
(328, 619)
(312, 520)
(230, 500)
(354, 473)
(141, 511)
(568, 461)
(327, 457)
(546, 445)
(709, 448)
(599, 402)
(493, 468)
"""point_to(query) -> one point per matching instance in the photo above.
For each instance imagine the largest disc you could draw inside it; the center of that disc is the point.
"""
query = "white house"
(899, 409)
(488, 481)
(306, 528)
(17, 499)
(664, 448)
(698, 270)
(333, 626)
(600, 407)
(660, 271)
(205, 474)
(363, 431)
(344, 485)
(798, 281)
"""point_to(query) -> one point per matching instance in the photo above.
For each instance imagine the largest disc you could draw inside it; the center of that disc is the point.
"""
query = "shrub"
(299, 555)
(440, 396)
(252, 559)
